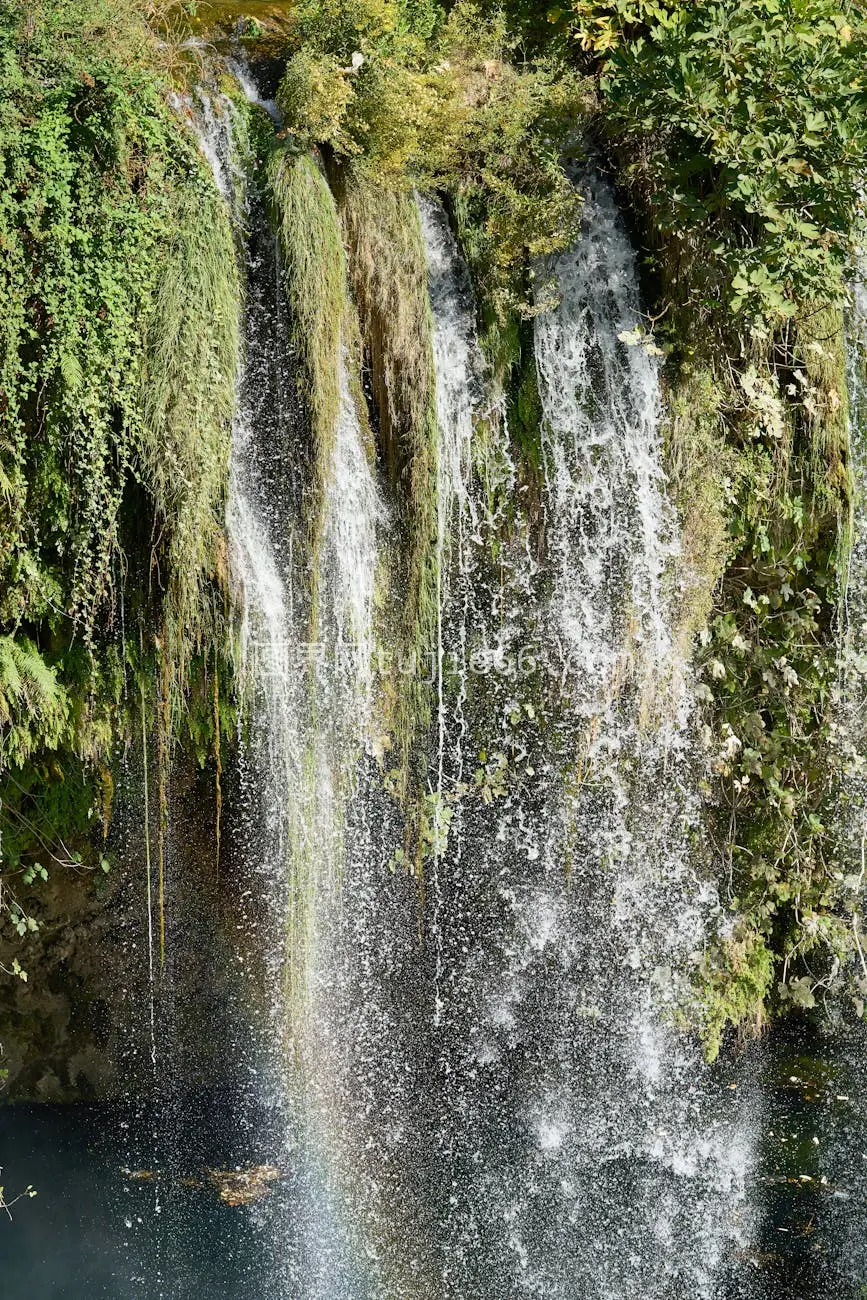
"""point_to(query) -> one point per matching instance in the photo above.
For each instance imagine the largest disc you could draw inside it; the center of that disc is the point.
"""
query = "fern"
(34, 707)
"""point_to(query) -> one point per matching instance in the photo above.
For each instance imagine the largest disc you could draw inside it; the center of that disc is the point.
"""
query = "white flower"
(731, 742)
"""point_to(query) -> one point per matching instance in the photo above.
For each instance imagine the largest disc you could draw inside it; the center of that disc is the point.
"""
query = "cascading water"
(457, 364)
(639, 1132)
(353, 514)
(509, 1110)
(603, 1117)
(611, 527)
(413, 1009)
(306, 666)
(486, 1097)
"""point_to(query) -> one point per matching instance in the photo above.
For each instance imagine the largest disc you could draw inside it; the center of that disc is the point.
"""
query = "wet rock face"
(63, 1032)
(80, 1027)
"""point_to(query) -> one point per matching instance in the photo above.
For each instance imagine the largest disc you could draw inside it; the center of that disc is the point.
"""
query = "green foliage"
(744, 123)
(358, 82)
(506, 174)
(400, 30)
(34, 707)
(315, 95)
(118, 350)
(186, 400)
(733, 985)
(70, 219)
(406, 96)
(388, 272)
(314, 269)
(112, 230)
(769, 670)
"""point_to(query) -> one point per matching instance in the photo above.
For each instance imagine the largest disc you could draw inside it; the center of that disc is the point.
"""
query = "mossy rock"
(259, 24)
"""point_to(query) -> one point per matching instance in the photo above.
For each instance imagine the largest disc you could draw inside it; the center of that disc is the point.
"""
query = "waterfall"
(490, 1096)
(398, 847)
(612, 529)
(305, 668)
(573, 1117)
(630, 1116)
(507, 1103)
(457, 360)
(457, 363)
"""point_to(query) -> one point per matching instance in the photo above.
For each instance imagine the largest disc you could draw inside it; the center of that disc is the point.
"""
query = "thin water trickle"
(354, 514)
(457, 364)
(240, 69)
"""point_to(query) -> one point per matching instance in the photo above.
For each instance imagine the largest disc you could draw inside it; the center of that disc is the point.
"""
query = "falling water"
(354, 513)
(589, 1152)
(629, 1117)
(457, 364)
(508, 1104)
(612, 528)
(471, 1086)
(487, 1097)
(307, 687)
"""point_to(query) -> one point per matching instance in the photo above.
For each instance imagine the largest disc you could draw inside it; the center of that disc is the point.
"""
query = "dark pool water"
(125, 1207)
(94, 1229)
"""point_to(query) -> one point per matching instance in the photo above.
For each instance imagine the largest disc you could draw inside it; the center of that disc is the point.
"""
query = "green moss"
(388, 271)
(703, 471)
(733, 986)
(188, 398)
(314, 272)
(820, 376)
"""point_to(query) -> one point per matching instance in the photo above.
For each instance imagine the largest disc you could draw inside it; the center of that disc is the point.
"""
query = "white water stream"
(306, 670)
(490, 1100)
(588, 1149)
(510, 1110)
